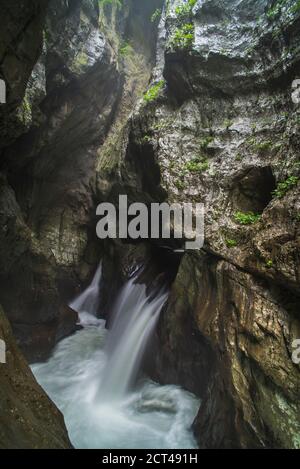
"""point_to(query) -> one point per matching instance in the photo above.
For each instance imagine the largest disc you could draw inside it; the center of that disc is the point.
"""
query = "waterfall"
(91, 373)
(86, 304)
(134, 319)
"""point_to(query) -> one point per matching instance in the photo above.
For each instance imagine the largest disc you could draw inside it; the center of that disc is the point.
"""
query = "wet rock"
(29, 420)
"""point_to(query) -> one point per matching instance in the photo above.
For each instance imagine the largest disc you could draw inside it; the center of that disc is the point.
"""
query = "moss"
(285, 186)
(197, 165)
(125, 49)
(184, 10)
(204, 143)
(246, 218)
(81, 61)
(25, 112)
(231, 243)
(269, 263)
(154, 91)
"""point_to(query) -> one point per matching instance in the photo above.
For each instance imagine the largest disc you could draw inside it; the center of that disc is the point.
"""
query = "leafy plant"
(227, 124)
(231, 243)
(284, 186)
(184, 10)
(246, 218)
(197, 165)
(154, 91)
(183, 37)
(269, 263)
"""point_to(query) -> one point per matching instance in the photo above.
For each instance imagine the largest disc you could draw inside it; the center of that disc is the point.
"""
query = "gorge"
(162, 101)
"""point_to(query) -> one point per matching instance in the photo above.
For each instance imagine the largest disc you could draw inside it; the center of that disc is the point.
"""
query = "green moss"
(231, 243)
(284, 186)
(179, 184)
(269, 263)
(126, 49)
(154, 91)
(25, 112)
(246, 218)
(197, 165)
(204, 143)
(183, 37)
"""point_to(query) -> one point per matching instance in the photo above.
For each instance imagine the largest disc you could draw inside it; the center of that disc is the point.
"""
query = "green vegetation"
(126, 49)
(197, 165)
(154, 91)
(227, 124)
(179, 184)
(184, 10)
(155, 16)
(146, 139)
(246, 218)
(204, 143)
(275, 11)
(117, 3)
(284, 186)
(231, 243)
(269, 263)
(183, 37)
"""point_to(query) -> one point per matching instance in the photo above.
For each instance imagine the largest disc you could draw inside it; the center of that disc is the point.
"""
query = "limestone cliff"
(216, 125)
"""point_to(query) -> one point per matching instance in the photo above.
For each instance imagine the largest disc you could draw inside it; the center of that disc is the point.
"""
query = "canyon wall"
(217, 125)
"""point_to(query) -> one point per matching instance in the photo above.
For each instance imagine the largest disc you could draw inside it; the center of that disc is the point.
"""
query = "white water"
(92, 379)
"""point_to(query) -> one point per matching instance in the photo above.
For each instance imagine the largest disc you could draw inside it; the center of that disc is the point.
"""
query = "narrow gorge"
(142, 343)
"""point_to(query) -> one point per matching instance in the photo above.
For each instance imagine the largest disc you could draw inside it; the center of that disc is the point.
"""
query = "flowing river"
(94, 378)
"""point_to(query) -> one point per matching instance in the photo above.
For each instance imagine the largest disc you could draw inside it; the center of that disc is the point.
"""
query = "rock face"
(217, 126)
(28, 418)
(64, 111)
(222, 129)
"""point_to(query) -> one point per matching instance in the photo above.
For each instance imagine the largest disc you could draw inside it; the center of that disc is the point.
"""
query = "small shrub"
(197, 165)
(184, 10)
(246, 218)
(284, 186)
(154, 91)
(183, 37)
(155, 16)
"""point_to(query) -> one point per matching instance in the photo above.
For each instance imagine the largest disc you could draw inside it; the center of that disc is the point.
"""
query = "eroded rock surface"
(29, 420)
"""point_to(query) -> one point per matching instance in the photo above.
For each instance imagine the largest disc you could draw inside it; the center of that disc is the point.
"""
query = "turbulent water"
(92, 377)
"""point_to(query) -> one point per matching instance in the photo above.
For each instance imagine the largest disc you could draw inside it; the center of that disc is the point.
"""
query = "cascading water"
(92, 377)
(87, 303)
(134, 320)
